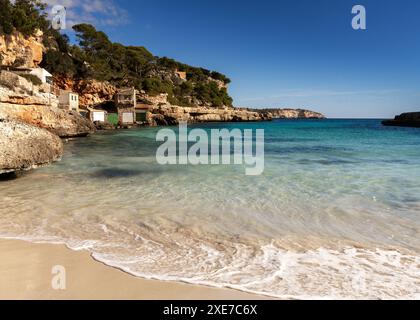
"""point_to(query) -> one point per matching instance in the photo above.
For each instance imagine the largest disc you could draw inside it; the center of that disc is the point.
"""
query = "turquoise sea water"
(336, 213)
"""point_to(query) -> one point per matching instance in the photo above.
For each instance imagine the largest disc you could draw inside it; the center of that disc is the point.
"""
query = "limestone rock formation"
(21, 100)
(18, 90)
(21, 51)
(292, 114)
(91, 92)
(173, 115)
(63, 123)
(24, 147)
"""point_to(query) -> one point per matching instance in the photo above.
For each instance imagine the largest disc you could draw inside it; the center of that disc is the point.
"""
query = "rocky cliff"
(410, 119)
(91, 92)
(23, 101)
(21, 51)
(24, 147)
(292, 113)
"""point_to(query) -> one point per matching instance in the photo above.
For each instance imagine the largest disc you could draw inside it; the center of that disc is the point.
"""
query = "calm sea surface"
(336, 213)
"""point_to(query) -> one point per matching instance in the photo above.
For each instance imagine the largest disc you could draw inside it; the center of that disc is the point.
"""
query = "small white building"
(68, 100)
(43, 75)
(96, 115)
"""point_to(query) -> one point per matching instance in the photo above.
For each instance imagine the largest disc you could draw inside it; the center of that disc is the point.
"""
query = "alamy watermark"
(221, 147)
(359, 20)
(58, 281)
(59, 12)
(58, 17)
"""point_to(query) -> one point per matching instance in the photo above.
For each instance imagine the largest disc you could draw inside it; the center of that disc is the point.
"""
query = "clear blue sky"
(284, 53)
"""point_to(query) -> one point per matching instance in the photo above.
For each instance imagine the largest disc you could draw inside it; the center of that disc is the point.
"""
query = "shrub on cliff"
(32, 79)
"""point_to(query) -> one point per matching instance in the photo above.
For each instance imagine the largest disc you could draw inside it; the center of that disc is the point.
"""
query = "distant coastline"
(291, 113)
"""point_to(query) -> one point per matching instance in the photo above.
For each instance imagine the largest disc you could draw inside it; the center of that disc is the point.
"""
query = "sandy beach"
(26, 273)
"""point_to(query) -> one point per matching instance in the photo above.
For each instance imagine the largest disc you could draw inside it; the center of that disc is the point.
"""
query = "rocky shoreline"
(30, 133)
(24, 147)
(32, 124)
(173, 115)
(287, 113)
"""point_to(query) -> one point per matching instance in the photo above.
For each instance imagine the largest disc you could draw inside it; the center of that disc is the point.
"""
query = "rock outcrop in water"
(24, 147)
(173, 115)
(293, 114)
(411, 119)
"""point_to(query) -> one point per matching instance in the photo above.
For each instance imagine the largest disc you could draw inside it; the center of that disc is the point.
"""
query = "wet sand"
(26, 273)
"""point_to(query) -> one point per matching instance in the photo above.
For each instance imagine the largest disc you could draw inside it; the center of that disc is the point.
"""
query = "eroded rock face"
(173, 115)
(22, 101)
(15, 89)
(20, 51)
(293, 114)
(91, 92)
(24, 147)
(63, 123)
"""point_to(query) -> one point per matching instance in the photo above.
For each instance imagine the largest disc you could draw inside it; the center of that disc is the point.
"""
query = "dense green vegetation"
(96, 57)
(25, 16)
(32, 78)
